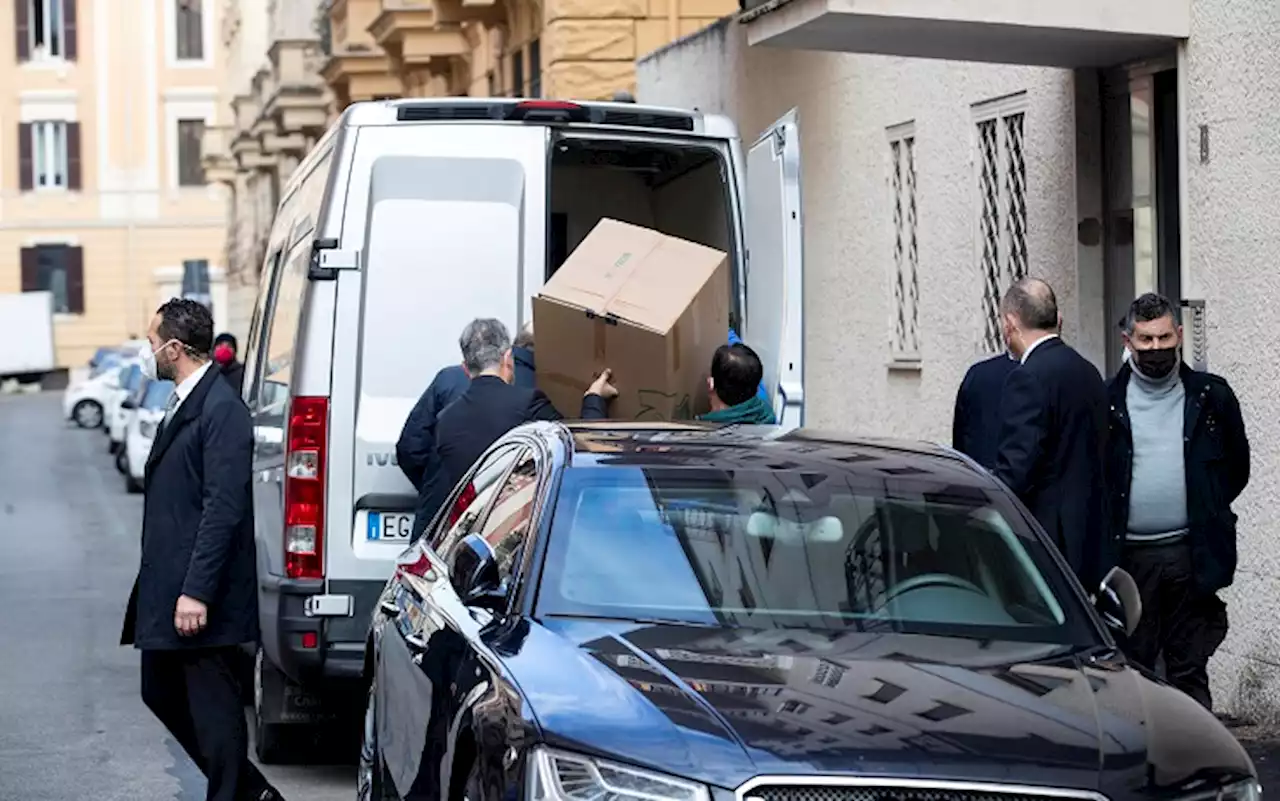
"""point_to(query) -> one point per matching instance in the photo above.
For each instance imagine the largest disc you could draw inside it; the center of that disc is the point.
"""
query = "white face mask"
(148, 365)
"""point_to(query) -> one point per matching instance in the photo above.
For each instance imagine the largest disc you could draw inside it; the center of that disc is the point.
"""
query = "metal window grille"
(906, 250)
(1002, 222)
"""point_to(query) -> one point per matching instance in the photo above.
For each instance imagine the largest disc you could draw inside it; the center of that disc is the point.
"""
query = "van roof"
(514, 109)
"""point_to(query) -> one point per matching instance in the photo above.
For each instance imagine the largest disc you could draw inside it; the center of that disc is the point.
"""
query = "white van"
(407, 220)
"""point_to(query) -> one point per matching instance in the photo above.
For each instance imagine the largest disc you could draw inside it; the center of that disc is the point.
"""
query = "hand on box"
(602, 387)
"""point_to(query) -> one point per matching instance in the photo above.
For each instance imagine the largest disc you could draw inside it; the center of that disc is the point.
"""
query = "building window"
(517, 74)
(906, 249)
(189, 30)
(190, 170)
(535, 68)
(1002, 220)
(58, 269)
(48, 155)
(46, 29)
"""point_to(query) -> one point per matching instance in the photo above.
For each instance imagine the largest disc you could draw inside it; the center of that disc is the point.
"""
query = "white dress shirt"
(1036, 344)
(188, 386)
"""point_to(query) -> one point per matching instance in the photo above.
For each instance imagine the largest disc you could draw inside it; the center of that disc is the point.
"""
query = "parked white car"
(85, 400)
(141, 431)
(119, 409)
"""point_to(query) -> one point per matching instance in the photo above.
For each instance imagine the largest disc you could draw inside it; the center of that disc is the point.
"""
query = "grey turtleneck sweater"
(1158, 489)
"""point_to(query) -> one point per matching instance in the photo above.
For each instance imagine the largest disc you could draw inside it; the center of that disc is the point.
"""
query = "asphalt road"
(71, 723)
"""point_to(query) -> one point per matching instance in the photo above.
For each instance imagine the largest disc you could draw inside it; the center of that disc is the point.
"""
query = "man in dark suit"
(975, 426)
(1053, 432)
(194, 602)
(493, 405)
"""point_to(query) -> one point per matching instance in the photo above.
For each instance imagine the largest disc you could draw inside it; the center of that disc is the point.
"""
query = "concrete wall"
(1232, 74)
(1233, 82)
(845, 104)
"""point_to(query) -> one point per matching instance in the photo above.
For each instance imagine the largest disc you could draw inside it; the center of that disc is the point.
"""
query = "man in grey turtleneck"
(1177, 458)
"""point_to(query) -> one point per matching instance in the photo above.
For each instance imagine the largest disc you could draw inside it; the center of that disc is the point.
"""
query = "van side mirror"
(473, 572)
(1119, 602)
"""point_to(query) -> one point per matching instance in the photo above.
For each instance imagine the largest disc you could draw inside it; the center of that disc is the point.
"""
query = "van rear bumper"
(339, 641)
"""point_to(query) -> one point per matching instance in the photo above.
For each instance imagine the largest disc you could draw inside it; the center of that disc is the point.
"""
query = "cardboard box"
(650, 307)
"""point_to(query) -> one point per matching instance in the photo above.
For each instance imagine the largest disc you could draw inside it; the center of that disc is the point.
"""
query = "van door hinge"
(327, 260)
(328, 606)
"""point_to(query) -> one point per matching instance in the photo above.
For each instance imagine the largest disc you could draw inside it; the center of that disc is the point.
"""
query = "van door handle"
(415, 642)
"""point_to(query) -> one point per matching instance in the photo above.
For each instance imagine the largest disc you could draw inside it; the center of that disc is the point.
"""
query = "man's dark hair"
(228, 339)
(1032, 301)
(736, 371)
(188, 322)
(1150, 306)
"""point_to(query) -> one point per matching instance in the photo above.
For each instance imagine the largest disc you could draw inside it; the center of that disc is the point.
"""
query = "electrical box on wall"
(1195, 350)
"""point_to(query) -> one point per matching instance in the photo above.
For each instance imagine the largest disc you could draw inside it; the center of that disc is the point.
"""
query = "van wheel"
(269, 740)
(87, 414)
(131, 485)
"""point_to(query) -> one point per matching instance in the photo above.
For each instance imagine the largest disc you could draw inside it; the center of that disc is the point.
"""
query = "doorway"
(1141, 178)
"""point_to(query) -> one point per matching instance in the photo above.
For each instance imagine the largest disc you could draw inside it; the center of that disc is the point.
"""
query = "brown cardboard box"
(650, 307)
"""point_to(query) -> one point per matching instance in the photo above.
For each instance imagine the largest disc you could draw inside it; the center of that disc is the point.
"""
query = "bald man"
(1053, 432)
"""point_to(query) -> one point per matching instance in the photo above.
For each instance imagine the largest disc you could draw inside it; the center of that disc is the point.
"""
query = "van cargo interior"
(679, 190)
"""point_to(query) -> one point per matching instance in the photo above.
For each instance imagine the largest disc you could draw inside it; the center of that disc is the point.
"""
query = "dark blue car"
(691, 613)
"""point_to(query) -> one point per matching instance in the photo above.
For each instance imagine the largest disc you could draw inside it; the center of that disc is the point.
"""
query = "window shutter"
(73, 156)
(26, 162)
(30, 270)
(75, 280)
(22, 29)
(69, 45)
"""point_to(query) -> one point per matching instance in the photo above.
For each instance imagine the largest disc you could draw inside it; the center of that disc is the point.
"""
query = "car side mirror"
(473, 572)
(128, 404)
(1119, 602)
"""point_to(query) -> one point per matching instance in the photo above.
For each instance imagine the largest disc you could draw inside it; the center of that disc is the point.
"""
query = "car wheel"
(268, 738)
(122, 461)
(371, 778)
(87, 414)
(131, 484)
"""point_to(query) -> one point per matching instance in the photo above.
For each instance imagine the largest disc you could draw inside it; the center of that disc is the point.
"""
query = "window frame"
(186, 172)
(49, 146)
(184, 38)
(905, 338)
(56, 24)
(174, 16)
(439, 538)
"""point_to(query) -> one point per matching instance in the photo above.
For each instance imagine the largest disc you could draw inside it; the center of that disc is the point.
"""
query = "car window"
(507, 525)
(777, 549)
(468, 506)
(157, 394)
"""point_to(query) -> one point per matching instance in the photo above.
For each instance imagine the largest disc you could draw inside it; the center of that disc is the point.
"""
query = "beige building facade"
(947, 149)
(103, 200)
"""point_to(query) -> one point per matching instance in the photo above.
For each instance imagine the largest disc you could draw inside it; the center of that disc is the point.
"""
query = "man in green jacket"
(736, 373)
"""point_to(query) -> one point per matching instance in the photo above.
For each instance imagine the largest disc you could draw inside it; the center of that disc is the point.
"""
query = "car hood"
(724, 706)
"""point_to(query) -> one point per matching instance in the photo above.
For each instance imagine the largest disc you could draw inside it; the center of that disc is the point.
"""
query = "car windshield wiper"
(649, 621)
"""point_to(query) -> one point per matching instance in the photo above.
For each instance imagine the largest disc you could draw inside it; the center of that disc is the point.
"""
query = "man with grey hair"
(1178, 457)
(1053, 431)
(493, 405)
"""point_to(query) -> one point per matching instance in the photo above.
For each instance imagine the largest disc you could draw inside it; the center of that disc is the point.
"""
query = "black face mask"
(1156, 363)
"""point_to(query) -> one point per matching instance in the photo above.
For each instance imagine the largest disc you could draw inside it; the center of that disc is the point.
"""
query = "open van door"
(775, 276)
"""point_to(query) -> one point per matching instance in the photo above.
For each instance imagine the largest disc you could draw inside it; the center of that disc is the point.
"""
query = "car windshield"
(109, 360)
(778, 549)
(157, 394)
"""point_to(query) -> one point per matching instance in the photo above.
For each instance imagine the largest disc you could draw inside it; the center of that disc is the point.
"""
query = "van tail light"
(304, 486)
(465, 498)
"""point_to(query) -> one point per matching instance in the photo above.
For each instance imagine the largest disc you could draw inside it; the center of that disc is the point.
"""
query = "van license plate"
(390, 526)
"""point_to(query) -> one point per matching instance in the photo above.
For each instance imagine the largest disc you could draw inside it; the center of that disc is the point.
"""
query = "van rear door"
(774, 319)
(445, 217)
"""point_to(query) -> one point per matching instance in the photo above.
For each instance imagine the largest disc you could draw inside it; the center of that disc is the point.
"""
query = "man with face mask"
(1053, 431)
(1178, 457)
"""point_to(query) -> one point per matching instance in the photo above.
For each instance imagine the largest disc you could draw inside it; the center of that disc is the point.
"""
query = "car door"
(419, 655)
(774, 227)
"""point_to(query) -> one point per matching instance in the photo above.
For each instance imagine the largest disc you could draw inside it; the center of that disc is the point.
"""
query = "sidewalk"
(1263, 744)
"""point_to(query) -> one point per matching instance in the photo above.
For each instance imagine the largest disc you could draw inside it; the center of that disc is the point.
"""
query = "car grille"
(889, 792)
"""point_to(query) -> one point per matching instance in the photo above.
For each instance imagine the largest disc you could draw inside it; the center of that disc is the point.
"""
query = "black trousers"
(196, 695)
(1178, 622)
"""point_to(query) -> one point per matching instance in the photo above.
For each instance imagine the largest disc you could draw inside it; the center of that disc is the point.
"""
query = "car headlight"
(558, 776)
(147, 429)
(1248, 790)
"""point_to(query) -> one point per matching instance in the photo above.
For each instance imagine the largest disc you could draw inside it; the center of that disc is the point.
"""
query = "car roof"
(612, 444)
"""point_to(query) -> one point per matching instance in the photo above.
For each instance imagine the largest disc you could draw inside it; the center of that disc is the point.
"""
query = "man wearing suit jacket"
(493, 405)
(975, 426)
(1053, 432)
(194, 601)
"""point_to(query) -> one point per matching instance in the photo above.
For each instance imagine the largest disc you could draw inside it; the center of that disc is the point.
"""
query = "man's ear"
(711, 385)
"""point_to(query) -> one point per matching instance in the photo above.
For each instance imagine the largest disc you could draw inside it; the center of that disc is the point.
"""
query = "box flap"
(599, 267)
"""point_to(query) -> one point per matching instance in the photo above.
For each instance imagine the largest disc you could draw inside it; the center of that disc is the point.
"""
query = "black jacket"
(197, 525)
(1216, 454)
(234, 373)
(416, 448)
(975, 426)
(487, 410)
(1053, 437)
